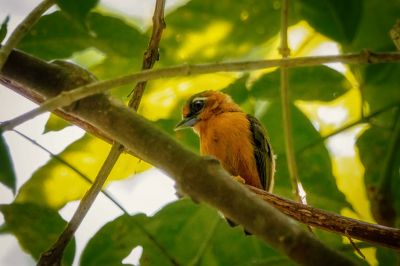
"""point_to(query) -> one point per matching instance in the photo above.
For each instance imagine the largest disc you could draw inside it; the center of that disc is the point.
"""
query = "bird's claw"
(239, 179)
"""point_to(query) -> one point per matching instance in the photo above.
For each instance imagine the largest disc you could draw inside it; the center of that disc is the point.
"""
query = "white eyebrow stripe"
(199, 99)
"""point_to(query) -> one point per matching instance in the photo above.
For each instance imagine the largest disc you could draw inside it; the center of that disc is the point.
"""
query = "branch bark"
(67, 97)
(193, 173)
(372, 233)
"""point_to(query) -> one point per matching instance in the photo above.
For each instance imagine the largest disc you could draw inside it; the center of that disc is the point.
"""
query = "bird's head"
(204, 105)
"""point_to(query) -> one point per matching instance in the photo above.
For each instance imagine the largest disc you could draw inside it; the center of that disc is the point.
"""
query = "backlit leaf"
(169, 239)
(56, 184)
(55, 123)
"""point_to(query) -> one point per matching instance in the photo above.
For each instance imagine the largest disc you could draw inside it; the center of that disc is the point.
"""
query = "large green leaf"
(110, 35)
(204, 29)
(182, 233)
(382, 185)
(337, 19)
(318, 83)
(377, 18)
(56, 184)
(7, 174)
(77, 9)
(36, 228)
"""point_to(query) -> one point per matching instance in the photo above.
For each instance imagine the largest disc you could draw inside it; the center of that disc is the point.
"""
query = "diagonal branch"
(372, 233)
(67, 97)
(54, 254)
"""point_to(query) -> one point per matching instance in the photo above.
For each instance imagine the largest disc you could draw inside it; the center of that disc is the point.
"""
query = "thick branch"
(69, 97)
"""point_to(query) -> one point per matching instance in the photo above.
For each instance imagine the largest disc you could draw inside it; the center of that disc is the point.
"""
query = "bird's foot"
(240, 179)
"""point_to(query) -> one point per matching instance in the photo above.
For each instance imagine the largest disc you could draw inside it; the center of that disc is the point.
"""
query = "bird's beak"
(186, 123)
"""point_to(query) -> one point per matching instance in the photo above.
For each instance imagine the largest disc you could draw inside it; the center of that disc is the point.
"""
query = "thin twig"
(285, 102)
(54, 254)
(372, 233)
(22, 29)
(73, 168)
(68, 97)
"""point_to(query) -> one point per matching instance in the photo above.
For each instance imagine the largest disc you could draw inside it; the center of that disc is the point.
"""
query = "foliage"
(7, 174)
(163, 236)
(110, 45)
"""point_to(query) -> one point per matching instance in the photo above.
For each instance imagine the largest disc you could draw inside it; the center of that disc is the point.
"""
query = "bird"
(236, 139)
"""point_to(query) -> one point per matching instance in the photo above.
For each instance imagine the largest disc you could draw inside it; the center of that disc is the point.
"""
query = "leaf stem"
(21, 30)
(73, 168)
(285, 102)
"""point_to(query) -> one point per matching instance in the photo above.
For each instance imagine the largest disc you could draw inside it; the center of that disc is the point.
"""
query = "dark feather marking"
(262, 153)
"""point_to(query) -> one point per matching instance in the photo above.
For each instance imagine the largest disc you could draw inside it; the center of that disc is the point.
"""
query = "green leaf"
(331, 17)
(56, 184)
(3, 28)
(36, 228)
(318, 83)
(382, 191)
(110, 35)
(387, 257)
(77, 9)
(204, 29)
(54, 123)
(379, 85)
(7, 174)
(373, 33)
(169, 239)
(314, 163)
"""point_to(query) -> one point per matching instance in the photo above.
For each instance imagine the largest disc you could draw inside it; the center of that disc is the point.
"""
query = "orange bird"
(236, 139)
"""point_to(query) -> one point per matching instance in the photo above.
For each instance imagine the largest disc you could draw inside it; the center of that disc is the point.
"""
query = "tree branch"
(68, 97)
(372, 233)
(55, 253)
(285, 102)
(193, 173)
(22, 29)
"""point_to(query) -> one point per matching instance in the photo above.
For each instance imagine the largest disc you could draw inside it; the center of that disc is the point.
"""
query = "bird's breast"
(227, 137)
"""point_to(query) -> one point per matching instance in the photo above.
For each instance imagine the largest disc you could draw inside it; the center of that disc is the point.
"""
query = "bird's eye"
(197, 105)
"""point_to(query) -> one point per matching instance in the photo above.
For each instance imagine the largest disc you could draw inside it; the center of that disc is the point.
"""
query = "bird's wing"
(263, 153)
